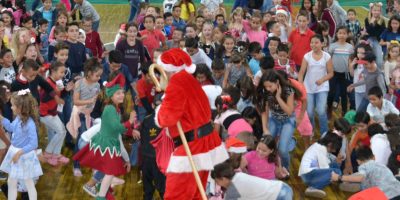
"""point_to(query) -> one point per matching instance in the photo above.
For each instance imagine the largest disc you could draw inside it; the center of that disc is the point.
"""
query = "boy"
(199, 22)
(8, 71)
(380, 145)
(151, 37)
(379, 106)
(47, 12)
(76, 55)
(218, 71)
(372, 174)
(60, 35)
(372, 77)
(299, 39)
(160, 25)
(157, 53)
(284, 63)
(177, 36)
(169, 29)
(266, 63)
(198, 55)
(273, 43)
(93, 40)
(353, 25)
(146, 92)
(87, 11)
(256, 55)
(274, 30)
(219, 20)
(178, 22)
(43, 38)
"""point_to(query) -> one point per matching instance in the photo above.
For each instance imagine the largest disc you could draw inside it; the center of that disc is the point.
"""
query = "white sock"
(30, 186)
(12, 188)
(105, 185)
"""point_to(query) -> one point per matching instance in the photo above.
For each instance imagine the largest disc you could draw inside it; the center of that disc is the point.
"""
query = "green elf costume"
(103, 153)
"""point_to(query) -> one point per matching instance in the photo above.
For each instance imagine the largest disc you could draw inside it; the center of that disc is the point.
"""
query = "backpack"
(255, 4)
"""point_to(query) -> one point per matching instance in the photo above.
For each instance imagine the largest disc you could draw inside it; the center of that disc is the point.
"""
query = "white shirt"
(316, 69)
(201, 57)
(168, 5)
(380, 147)
(212, 91)
(212, 5)
(379, 115)
(359, 76)
(315, 157)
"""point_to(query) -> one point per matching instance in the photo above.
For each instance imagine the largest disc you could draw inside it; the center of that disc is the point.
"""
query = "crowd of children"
(267, 71)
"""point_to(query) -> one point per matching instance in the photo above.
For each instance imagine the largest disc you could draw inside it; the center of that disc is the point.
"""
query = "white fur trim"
(237, 149)
(112, 151)
(172, 68)
(156, 116)
(281, 11)
(203, 161)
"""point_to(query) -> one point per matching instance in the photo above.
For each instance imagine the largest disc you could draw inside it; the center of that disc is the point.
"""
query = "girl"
(322, 28)
(391, 62)
(391, 33)
(4, 42)
(61, 20)
(307, 6)
(187, 10)
(375, 25)
(229, 117)
(235, 70)
(356, 68)
(20, 42)
(340, 52)
(21, 162)
(104, 151)
(218, 34)
(247, 92)
(318, 65)
(85, 95)
(326, 14)
(282, 17)
(206, 40)
(253, 30)
(264, 161)
(236, 25)
(48, 110)
(250, 114)
(276, 101)
(20, 11)
(316, 167)
(203, 75)
(9, 24)
(226, 50)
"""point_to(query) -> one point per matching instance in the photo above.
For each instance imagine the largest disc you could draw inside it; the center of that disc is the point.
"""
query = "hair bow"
(23, 92)
(226, 98)
(398, 158)
(376, 4)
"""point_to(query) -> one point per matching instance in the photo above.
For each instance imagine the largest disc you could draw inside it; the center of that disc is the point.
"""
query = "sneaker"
(312, 192)
(3, 176)
(90, 190)
(350, 187)
(77, 172)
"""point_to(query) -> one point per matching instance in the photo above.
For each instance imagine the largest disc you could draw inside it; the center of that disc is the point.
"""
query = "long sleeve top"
(374, 29)
(327, 15)
(23, 136)
(93, 42)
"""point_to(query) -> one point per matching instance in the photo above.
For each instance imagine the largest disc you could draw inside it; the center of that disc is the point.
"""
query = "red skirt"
(106, 164)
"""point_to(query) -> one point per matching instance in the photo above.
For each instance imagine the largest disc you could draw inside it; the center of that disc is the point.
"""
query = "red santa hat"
(117, 83)
(175, 60)
(281, 11)
(234, 145)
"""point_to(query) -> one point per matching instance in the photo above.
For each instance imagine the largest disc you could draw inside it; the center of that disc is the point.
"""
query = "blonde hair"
(380, 20)
(28, 107)
(393, 44)
(237, 11)
(15, 44)
(202, 38)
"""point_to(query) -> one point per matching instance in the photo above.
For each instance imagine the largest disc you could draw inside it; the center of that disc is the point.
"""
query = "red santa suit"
(185, 101)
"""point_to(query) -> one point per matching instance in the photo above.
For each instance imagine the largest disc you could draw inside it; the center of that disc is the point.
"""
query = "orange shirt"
(360, 137)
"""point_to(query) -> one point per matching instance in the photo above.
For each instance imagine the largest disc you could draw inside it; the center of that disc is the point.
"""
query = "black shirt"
(148, 132)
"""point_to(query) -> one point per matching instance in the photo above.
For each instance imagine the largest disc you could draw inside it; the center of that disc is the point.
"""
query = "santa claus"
(185, 102)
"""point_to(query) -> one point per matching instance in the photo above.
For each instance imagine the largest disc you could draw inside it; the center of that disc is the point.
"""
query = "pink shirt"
(259, 36)
(259, 167)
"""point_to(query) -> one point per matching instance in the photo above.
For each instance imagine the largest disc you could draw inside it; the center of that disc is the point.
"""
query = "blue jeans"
(377, 49)
(317, 101)
(284, 129)
(66, 114)
(320, 178)
(95, 25)
(141, 114)
(35, 4)
(358, 98)
(134, 155)
(81, 129)
(286, 192)
(363, 105)
(133, 12)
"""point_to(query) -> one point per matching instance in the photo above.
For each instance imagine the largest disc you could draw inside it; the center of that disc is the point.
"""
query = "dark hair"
(392, 120)
(394, 17)
(369, 56)
(223, 170)
(342, 125)
(236, 58)
(91, 65)
(59, 29)
(176, 6)
(254, 47)
(270, 24)
(219, 15)
(319, 37)
(366, 47)
(283, 47)
(42, 21)
(25, 19)
(4, 88)
(393, 135)
(191, 43)
(341, 28)
(60, 46)
(30, 64)
(55, 66)
(144, 68)
(376, 91)
(333, 139)
(269, 141)
(61, 13)
(12, 23)
(267, 62)
(159, 17)
(352, 10)
(4, 51)
(217, 64)
(362, 117)
(321, 27)
(234, 92)
(364, 153)
(224, 103)
(21, 5)
(191, 26)
(394, 162)
(302, 5)
(202, 68)
(115, 56)
(167, 14)
(149, 16)
(246, 87)
(274, 38)
(374, 129)
(72, 24)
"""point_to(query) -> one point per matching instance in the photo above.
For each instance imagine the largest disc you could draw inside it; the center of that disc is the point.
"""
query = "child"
(169, 29)
(76, 53)
(84, 97)
(318, 65)
(267, 17)
(6, 111)
(283, 20)
(218, 71)
(253, 30)
(227, 49)
(328, 16)
(159, 25)
(283, 62)
(9, 24)
(273, 43)
(218, 34)
(391, 33)
(178, 22)
(391, 62)
(219, 20)
(236, 24)
(353, 25)
(256, 55)
(378, 106)
(235, 70)
(177, 36)
(242, 186)
(316, 168)
(191, 31)
(48, 110)
(380, 144)
(20, 11)
(96, 155)
(203, 75)
(62, 20)
(375, 25)
(93, 40)
(8, 71)
(264, 162)
(206, 40)
(21, 39)
(43, 39)
(299, 40)
(340, 52)
(187, 10)
(372, 174)
(146, 93)
(21, 155)
(197, 55)
(60, 36)
(47, 12)
(323, 29)
(152, 38)
(247, 91)
(356, 69)
(372, 77)
(306, 9)
(87, 11)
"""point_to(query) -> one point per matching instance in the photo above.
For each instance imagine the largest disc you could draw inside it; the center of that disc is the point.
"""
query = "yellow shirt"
(185, 14)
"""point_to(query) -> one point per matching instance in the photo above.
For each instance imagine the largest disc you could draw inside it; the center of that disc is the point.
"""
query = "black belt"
(190, 135)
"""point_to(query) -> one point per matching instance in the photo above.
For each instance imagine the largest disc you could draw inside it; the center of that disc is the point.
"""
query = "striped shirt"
(340, 56)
